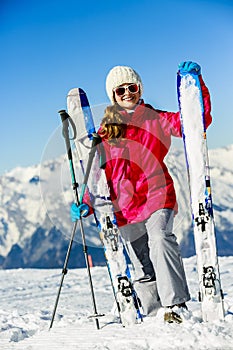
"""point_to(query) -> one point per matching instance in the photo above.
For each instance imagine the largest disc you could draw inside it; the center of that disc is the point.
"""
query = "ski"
(196, 153)
(127, 301)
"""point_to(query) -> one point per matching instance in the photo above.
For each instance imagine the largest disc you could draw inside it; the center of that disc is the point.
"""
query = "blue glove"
(76, 212)
(189, 67)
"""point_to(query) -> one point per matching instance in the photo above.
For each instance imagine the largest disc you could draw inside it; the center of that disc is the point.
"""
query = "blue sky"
(49, 47)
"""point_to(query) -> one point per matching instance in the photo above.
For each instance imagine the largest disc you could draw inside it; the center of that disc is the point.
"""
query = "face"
(128, 99)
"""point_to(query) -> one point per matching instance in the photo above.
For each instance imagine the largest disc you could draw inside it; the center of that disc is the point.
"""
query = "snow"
(28, 297)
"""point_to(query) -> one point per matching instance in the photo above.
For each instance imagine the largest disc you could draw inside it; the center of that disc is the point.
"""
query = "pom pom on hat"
(121, 75)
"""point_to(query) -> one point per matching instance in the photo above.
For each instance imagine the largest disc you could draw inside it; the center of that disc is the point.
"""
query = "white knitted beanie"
(121, 75)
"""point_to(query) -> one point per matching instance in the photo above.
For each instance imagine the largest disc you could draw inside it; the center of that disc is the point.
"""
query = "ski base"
(196, 152)
(127, 302)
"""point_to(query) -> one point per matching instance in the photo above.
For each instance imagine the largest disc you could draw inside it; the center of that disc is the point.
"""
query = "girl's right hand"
(78, 211)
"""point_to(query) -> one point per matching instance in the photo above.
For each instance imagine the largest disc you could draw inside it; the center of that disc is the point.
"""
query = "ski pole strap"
(65, 132)
(65, 117)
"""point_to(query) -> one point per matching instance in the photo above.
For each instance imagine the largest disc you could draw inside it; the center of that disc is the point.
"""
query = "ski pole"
(96, 139)
(65, 131)
(64, 272)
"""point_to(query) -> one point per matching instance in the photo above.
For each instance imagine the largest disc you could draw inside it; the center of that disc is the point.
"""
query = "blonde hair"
(112, 125)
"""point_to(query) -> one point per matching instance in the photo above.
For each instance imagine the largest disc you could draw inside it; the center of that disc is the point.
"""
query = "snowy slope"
(28, 297)
(34, 214)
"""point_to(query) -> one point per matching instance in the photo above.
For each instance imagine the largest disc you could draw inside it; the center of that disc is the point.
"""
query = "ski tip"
(76, 91)
(73, 92)
(81, 94)
(81, 91)
(83, 98)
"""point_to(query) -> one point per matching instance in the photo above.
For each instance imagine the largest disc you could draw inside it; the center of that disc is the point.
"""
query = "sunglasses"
(132, 88)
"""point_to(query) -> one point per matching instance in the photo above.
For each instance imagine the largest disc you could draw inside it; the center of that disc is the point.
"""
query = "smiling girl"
(136, 138)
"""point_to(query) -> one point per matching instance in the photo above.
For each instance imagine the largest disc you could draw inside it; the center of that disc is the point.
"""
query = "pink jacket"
(137, 176)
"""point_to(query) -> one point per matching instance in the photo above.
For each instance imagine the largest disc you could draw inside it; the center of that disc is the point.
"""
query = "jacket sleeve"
(170, 121)
(206, 102)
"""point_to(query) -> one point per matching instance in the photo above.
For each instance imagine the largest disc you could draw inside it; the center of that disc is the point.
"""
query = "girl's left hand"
(189, 67)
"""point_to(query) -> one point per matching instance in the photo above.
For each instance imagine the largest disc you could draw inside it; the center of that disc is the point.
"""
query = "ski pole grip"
(63, 114)
(96, 139)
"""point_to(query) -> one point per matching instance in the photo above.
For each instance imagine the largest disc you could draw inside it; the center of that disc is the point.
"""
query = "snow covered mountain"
(35, 224)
